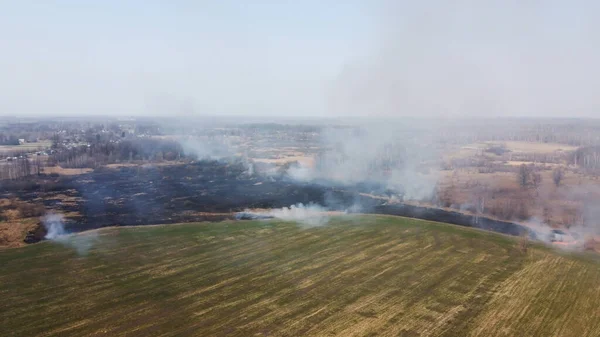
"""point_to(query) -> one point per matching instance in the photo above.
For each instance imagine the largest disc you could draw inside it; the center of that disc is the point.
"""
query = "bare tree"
(547, 215)
(523, 210)
(536, 179)
(55, 141)
(523, 176)
(446, 195)
(557, 176)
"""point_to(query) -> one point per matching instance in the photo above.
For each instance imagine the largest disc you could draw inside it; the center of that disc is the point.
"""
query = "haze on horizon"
(300, 58)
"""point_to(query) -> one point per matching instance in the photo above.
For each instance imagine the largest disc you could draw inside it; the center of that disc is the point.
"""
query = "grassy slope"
(369, 275)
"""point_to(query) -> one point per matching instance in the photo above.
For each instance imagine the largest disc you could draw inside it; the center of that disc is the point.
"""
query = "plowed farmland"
(355, 276)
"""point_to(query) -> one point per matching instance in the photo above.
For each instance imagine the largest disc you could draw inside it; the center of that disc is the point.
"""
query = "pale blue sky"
(300, 58)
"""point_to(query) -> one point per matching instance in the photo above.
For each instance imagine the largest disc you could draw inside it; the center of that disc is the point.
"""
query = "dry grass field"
(16, 219)
(556, 206)
(12, 233)
(356, 276)
(65, 171)
(534, 147)
(515, 146)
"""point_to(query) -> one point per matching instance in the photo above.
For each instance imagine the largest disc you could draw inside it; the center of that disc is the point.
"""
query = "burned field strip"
(141, 195)
(201, 191)
(358, 275)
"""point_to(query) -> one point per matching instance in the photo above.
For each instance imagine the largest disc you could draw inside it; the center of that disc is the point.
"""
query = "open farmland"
(27, 147)
(356, 276)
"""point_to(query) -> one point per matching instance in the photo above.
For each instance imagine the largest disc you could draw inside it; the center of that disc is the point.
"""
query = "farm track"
(357, 276)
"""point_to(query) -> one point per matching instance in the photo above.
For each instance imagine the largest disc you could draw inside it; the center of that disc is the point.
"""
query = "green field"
(357, 276)
(27, 147)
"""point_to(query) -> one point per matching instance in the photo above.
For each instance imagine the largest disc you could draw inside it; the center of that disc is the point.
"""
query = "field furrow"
(356, 276)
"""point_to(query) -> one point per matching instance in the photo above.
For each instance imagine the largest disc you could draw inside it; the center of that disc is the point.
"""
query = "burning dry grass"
(357, 276)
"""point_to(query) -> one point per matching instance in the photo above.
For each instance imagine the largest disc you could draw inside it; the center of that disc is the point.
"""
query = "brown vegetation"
(66, 171)
(13, 209)
(12, 234)
(558, 197)
(17, 218)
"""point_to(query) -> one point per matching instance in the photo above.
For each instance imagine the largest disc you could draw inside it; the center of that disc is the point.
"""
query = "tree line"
(110, 152)
(20, 168)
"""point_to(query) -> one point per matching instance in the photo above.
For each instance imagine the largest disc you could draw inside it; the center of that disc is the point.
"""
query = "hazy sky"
(302, 58)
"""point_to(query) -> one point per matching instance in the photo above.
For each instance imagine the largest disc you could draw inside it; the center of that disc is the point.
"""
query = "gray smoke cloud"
(221, 149)
(394, 155)
(475, 58)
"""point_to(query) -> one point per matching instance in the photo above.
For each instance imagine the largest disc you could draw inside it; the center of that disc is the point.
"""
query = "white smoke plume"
(55, 226)
(56, 232)
(307, 216)
(311, 215)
